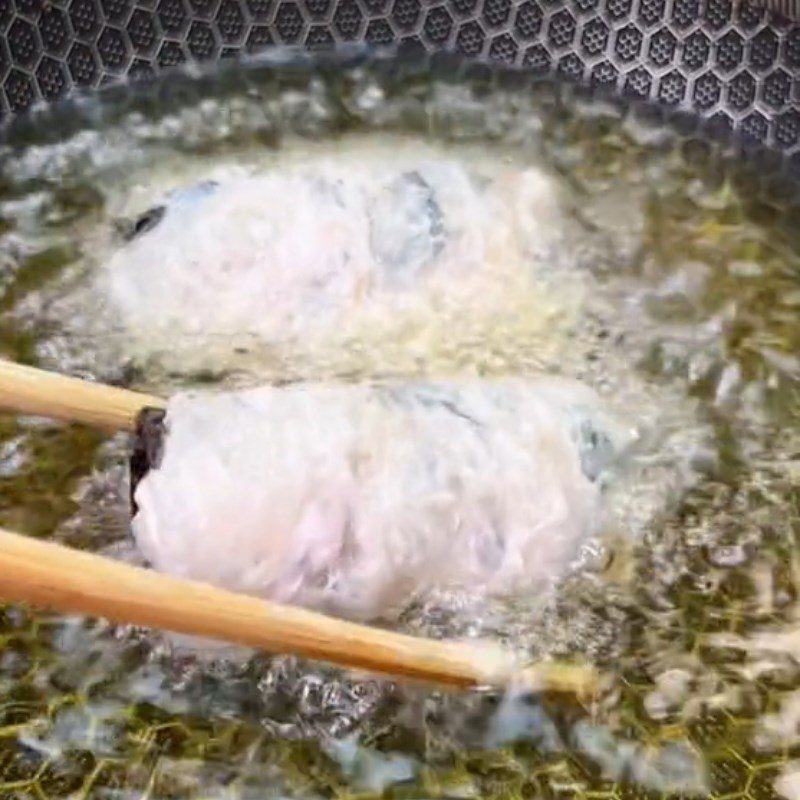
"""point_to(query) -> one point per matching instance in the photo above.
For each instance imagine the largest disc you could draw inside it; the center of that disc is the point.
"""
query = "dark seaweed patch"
(148, 448)
(145, 222)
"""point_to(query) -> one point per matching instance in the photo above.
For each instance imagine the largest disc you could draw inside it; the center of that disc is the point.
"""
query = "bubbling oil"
(659, 282)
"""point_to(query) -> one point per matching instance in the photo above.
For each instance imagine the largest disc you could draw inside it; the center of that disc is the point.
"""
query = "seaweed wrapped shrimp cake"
(358, 499)
(294, 251)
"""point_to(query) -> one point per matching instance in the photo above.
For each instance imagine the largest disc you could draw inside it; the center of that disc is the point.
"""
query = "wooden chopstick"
(55, 577)
(37, 392)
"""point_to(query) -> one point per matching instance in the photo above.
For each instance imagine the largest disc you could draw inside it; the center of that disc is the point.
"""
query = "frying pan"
(733, 64)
